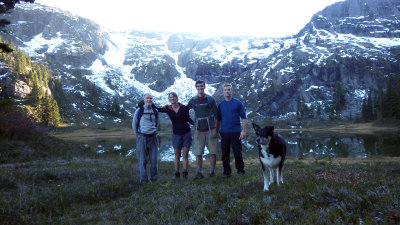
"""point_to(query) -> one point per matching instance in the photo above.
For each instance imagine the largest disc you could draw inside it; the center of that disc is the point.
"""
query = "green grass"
(105, 190)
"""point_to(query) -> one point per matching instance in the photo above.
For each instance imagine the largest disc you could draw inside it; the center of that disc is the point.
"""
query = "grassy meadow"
(45, 180)
(105, 190)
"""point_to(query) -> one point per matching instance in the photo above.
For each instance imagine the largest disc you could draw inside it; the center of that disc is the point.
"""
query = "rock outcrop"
(15, 88)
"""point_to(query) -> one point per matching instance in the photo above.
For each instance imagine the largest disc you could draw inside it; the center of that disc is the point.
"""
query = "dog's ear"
(255, 126)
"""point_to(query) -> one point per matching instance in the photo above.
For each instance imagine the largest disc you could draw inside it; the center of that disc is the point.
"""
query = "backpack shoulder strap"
(192, 102)
(140, 114)
(138, 117)
(209, 101)
(155, 113)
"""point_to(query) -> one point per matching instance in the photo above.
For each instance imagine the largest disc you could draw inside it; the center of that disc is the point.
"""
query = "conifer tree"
(389, 102)
(339, 94)
(6, 5)
(378, 104)
(115, 108)
(367, 109)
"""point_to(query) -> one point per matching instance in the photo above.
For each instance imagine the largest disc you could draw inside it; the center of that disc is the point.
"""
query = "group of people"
(227, 122)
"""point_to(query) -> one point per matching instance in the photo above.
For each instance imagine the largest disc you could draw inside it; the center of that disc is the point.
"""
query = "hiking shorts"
(181, 141)
(202, 139)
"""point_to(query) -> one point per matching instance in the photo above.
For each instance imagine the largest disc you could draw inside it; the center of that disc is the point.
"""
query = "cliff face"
(354, 44)
(80, 40)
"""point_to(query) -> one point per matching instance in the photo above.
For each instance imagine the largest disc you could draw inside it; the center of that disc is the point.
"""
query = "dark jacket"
(206, 110)
(179, 120)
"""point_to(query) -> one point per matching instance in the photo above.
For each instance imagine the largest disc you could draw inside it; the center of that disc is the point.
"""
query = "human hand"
(242, 135)
(216, 135)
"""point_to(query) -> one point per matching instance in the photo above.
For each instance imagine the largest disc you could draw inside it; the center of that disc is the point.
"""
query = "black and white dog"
(272, 153)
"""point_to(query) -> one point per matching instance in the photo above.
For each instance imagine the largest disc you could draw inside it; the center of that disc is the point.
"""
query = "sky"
(259, 18)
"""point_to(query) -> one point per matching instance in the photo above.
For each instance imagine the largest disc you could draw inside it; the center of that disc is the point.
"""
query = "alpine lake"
(300, 144)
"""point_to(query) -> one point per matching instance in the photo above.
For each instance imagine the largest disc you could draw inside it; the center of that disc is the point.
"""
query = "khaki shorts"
(203, 139)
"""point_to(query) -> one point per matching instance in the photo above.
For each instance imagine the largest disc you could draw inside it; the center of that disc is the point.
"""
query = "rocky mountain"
(353, 45)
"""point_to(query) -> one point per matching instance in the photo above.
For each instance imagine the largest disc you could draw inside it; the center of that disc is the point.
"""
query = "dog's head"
(264, 134)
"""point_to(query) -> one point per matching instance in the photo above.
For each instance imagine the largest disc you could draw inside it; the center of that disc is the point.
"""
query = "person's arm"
(162, 109)
(158, 123)
(214, 108)
(217, 128)
(134, 121)
(189, 104)
(190, 120)
(243, 132)
(186, 114)
(218, 122)
(244, 121)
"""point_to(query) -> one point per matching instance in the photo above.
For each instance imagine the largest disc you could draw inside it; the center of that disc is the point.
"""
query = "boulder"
(16, 88)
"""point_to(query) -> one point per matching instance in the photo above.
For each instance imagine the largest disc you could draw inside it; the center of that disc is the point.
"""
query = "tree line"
(382, 104)
(332, 108)
(377, 105)
(41, 107)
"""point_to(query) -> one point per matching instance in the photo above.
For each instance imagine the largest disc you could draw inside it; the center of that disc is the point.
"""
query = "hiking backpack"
(141, 112)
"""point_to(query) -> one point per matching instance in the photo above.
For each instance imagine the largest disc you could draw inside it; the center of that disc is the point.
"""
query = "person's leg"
(225, 150)
(177, 161)
(199, 162)
(199, 147)
(212, 145)
(177, 142)
(141, 153)
(187, 142)
(185, 159)
(153, 154)
(213, 160)
(237, 152)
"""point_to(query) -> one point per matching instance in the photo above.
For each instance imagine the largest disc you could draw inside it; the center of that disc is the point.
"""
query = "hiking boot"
(177, 174)
(185, 174)
(212, 174)
(199, 176)
(242, 172)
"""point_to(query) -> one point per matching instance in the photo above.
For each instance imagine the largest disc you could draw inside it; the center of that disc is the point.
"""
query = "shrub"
(16, 125)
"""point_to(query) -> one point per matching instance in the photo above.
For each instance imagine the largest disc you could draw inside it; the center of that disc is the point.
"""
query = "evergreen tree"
(397, 97)
(115, 108)
(339, 94)
(6, 5)
(378, 105)
(302, 109)
(54, 115)
(389, 103)
(367, 110)
(370, 109)
(48, 111)
(39, 77)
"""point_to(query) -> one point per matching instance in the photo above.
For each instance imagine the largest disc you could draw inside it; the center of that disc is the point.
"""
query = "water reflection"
(300, 144)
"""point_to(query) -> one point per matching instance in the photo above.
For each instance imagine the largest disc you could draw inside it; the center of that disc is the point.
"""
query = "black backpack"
(141, 112)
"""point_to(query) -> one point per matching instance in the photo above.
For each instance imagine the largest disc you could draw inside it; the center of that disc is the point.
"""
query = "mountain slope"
(351, 47)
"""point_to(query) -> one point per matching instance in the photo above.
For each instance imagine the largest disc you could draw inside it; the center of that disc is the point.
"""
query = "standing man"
(144, 125)
(205, 109)
(230, 112)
